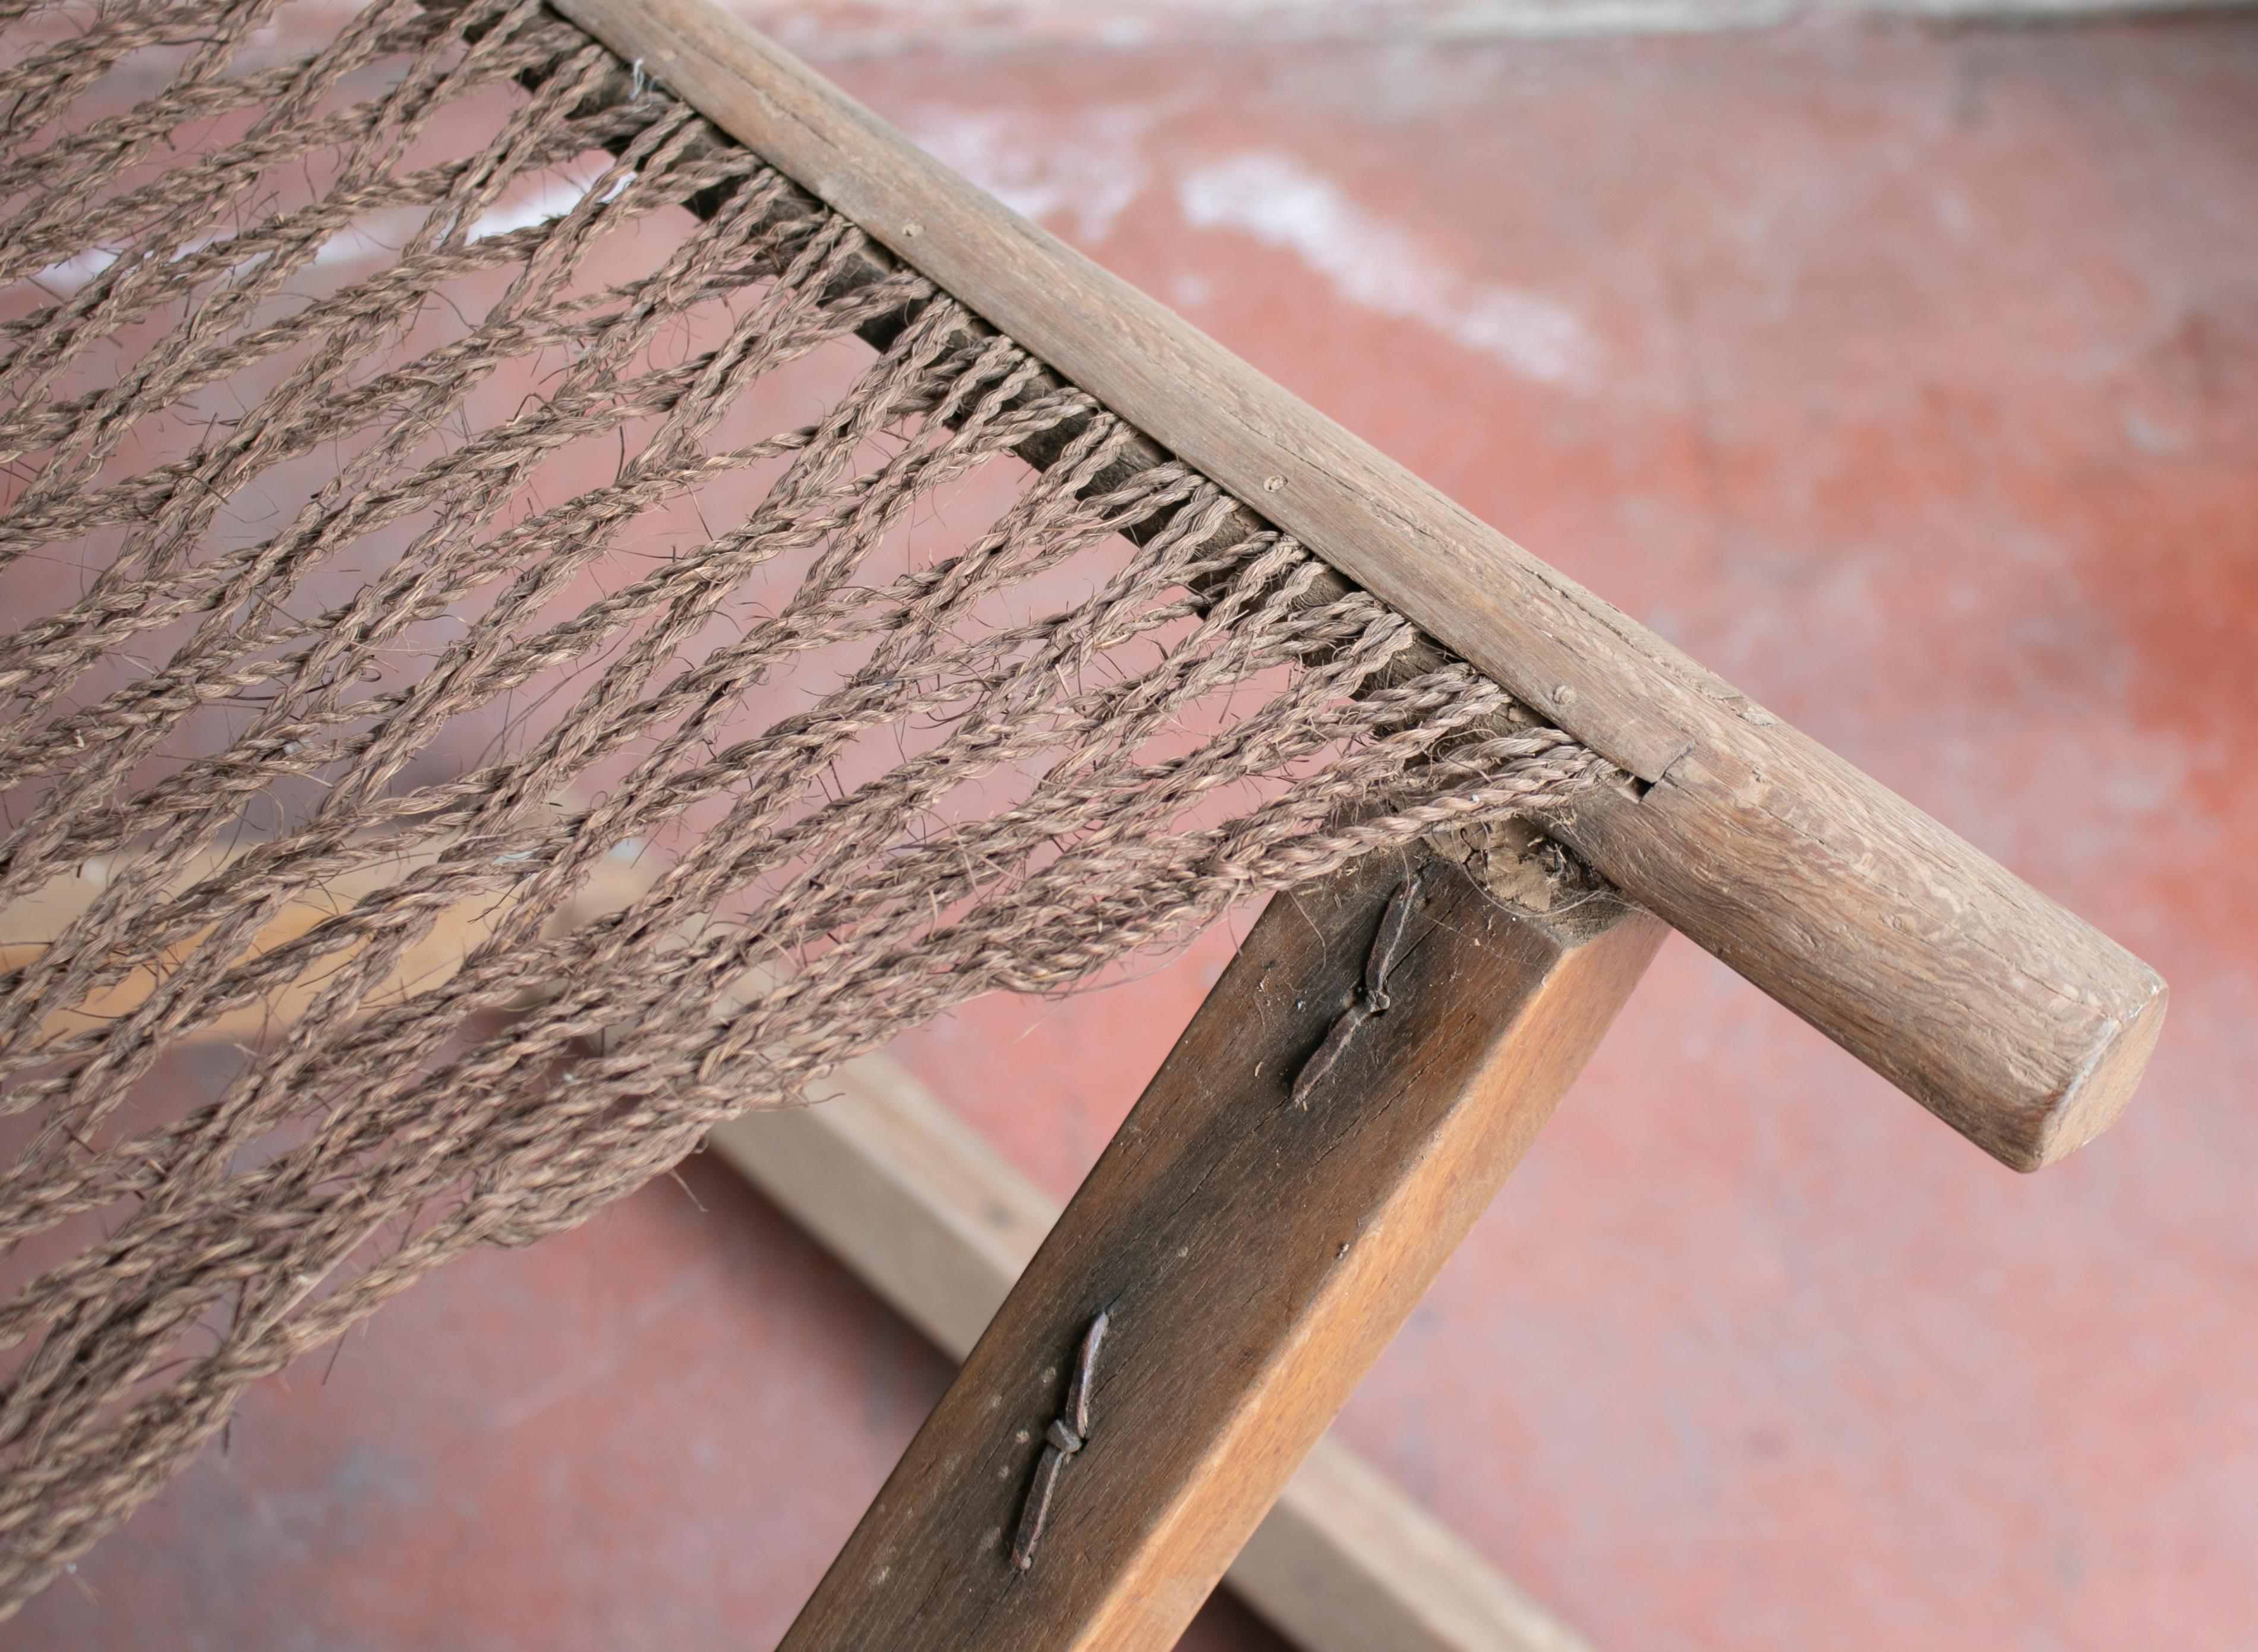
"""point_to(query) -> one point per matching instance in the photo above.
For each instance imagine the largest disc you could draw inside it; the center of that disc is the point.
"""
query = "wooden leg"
(934, 1219)
(1253, 1257)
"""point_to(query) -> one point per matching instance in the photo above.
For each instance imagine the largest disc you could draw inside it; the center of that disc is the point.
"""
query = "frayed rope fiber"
(446, 480)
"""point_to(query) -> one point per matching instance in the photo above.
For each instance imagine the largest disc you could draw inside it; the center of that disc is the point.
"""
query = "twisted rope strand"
(583, 559)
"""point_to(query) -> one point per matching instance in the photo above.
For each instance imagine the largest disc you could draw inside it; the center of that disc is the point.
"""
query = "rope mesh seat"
(453, 490)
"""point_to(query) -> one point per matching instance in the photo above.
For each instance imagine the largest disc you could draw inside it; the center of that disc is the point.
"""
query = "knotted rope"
(441, 468)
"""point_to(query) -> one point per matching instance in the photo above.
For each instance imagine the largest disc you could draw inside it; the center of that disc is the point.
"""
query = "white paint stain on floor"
(1081, 178)
(1384, 267)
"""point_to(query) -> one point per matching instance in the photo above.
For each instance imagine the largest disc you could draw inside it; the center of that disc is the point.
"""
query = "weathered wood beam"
(1252, 1257)
(921, 1209)
(2021, 1025)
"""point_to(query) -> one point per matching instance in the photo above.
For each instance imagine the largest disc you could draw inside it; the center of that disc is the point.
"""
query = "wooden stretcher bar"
(2017, 1023)
(934, 1219)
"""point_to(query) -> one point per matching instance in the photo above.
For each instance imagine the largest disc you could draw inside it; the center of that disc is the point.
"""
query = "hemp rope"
(465, 514)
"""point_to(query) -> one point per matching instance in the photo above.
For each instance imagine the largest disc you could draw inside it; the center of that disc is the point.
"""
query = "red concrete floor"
(1908, 378)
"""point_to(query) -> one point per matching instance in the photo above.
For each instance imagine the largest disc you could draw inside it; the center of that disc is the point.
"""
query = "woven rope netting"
(530, 637)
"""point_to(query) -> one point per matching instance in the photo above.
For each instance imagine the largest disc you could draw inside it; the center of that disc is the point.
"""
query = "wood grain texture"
(2015, 1021)
(934, 1219)
(1255, 1258)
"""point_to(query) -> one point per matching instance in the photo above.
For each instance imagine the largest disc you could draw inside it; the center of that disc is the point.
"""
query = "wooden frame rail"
(2015, 1021)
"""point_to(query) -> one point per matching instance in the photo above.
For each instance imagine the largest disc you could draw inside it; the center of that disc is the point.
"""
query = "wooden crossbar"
(2014, 1020)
